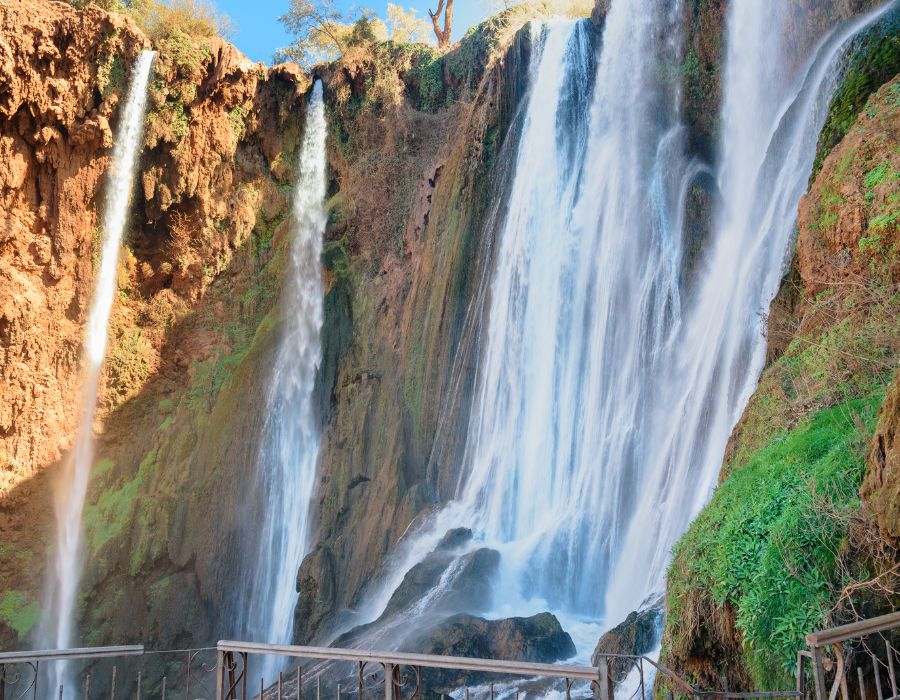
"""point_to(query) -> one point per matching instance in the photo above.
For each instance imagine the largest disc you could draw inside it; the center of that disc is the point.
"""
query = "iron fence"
(231, 671)
(869, 647)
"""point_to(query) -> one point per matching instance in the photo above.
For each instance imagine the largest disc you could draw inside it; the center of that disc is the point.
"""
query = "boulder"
(637, 635)
(539, 638)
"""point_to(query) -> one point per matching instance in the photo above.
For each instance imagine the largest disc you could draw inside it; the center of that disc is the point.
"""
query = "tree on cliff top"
(405, 27)
(322, 33)
(161, 18)
(443, 35)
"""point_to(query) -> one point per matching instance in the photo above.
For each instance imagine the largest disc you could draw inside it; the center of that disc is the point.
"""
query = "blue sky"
(258, 33)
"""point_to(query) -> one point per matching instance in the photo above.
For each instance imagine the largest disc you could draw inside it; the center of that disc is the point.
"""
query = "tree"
(443, 35)
(405, 26)
(323, 34)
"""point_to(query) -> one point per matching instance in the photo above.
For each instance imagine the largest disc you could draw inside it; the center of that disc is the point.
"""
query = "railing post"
(819, 673)
(220, 675)
(606, 691)
(801, 675)
(389, 681)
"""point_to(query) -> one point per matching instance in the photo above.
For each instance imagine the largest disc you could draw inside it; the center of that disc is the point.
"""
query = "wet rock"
(539, 638)
(454, 539)
(636, 636)
(450, 581)
(598, 14)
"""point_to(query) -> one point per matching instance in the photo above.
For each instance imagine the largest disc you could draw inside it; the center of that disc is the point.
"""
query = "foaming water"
(608, 387)
(290, 442)
(57, 630)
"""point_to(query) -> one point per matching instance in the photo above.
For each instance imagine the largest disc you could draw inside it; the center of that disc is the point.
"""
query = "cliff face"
(198, 273)
(413, 144)
(58, 92)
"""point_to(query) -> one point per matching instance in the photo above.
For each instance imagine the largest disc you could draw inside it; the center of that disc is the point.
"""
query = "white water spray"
(58, 626)
(290, 443)
(606, 390)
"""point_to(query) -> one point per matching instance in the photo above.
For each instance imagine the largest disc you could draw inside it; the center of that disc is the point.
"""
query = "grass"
(106, 519)
(766, 544)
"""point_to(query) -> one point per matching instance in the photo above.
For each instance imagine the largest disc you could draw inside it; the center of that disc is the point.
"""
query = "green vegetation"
(874, 61)
(19, 611)
(110, 68)
(769, 543)
(107, 517)
(128, 364)
(238, 119)
(161, 19)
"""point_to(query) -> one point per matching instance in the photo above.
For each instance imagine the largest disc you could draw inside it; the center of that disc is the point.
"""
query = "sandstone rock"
(881, 487)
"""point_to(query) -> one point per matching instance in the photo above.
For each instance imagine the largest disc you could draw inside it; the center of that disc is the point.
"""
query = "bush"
(159, 19)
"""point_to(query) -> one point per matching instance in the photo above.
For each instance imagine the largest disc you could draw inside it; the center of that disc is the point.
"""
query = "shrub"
(159, 19)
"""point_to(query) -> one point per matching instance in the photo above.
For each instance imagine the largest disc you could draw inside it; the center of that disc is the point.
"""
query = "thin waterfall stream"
(58, 628)
(608, 385)
(290, 442)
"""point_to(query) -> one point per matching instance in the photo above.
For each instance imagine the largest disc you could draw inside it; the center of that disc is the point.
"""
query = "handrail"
(15, 657)
(459, 663)
(854, 629)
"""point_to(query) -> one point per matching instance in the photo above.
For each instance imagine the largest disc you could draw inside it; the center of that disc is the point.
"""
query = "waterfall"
(57, 631)
(770, 127)
(290, 442)
(607, 386)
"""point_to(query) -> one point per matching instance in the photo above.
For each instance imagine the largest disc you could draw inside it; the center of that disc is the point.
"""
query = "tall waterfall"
(771, 122)
(57, 630)
(290, 442)
(607, 387)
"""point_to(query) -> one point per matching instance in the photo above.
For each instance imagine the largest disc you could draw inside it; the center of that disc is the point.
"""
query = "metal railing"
(110, 673)
(22, 686)
(395, 675)
(866, 646)
(224, 672)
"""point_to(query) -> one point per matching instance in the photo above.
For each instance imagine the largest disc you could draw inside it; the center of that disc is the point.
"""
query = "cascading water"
(771, 122)
(607, 387)
(290, 442)
(57, 630)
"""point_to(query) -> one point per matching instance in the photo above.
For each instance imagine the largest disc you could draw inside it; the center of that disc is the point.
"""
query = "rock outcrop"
(637, 635)
(539, 638)
(60, 86)
(881, 487)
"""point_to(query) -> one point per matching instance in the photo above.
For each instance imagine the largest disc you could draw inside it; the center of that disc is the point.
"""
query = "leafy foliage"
(406, 27)
(322, 33)
(769, 542)
(159, 19)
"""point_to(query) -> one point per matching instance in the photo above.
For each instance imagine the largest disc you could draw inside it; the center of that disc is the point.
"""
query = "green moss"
(874, 60)
(238, 119)
(766, 544)
(185, 53)
(102, 469)
(166, 405)
(111, 76)
(128, 364)
(19, 611)
(108, 516)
